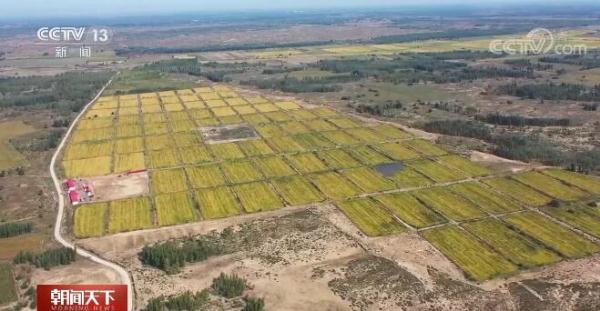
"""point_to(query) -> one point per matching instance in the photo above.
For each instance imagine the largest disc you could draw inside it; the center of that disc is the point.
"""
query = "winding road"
(125, 278)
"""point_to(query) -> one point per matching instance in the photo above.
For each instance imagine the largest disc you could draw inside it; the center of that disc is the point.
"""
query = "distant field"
(10, 247)
(8, 291)
(9, 156)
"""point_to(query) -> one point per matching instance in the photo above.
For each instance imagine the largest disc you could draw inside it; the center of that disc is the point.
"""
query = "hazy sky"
(60, 8)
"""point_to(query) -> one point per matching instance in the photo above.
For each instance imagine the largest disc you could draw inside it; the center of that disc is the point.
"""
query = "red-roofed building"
(74, 197)
(70, 184)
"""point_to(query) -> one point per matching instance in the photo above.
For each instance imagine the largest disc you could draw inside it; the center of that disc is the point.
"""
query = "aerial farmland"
(216, 152)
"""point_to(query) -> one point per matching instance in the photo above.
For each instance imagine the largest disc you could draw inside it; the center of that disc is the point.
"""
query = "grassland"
(550, 186)
(449, 204)
(217, 202)
(518, 191)
(521, 250)
(472, 256)
(556, 237)
(296, 190)
(410, 210)
(370, 217)
(175, 208)
(129, 214)
(90, 220)
(8, 290)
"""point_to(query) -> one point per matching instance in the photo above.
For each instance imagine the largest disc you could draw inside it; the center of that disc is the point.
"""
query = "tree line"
(170, 256)
(516, 120)
(552, 91)
(13, 229)
(47, 259)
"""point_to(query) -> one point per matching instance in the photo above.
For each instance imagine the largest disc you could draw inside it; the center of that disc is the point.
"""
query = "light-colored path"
(125, 278)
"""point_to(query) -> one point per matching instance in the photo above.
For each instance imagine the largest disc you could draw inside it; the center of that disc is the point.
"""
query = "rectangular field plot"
(297, 191)
(159, 142)
(88, 167)
(257, 197)
(307, 163)
(344, 123)
(98, 134)
(368, 179)
(128, 162)
(195, 154)
(472, 256)
(88, 150)
(174, 208)
(240, 172)
(338, 159)
(245, 109)
(287, 105)
(90, 220)
(578, 215)
(206, 176)
(266, 107)
(334, 185)
(464, 165)
(278, 116)
(129, 214)
(340, 138)
(128, 130)
(397, 151)
(366, 134)
(391, 131)
(312, 141)
(487, 199)
(168, 181)
(129, 145)
(585, 182)
(217, 203)
(274, 166)
(518, 191)
(269, 130)
(95, 123)
(294, 127)
(226, 151)
(302, 114)
(8, 291)
(449, 204)
(285, 144)
(553, 235)
(436, 171)
(370, 217)
(156, 128)
(163, 158)
(256, 119)
(255, 147)
(368, 156)
(425, 147)
(550, 186)
(410, 210)
(409, 178)
(518, 248)
(186, 139)
(320, 125)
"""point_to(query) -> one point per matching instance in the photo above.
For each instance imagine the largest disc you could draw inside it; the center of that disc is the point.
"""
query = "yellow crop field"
(410, 210)
(424, 147)
(129, 145)
(302, 114)
(287, 105)
(241, 171)
(236, 101)
(90, 220)
(370, 217)
(174, 208)
(550, 186)
(368, 156)
(486, 198)
(307, 163)
(312, 141)
(296, 190)
(396, 151)
(334, 185)
(201, 114)
(274, 166)
(186, 139)
(127, 130)
(92, 134)
(156, 128)
(464, 165)
(368, 179)
(578, 215)
(449, 204)
(278, 116)
(338, 159)
(257, 197)
(320, 125)
(195, 155)
(129, 214)
(344, 123)
(294, 127)
(340, 138)
(234, 119)
(128, 161)
(436, 171)
(163, 158)
(217, 203)
(168, 181)
(154, 118)
(365, 134)
(256, 119)
(158, 142)
(88, 150)
(585, 182)
(269, 130)
(244, 109)
(285, 144)
(223, 111)
(227, 151)
(183, 126)
(518, 191)
(390, 131)
(409, 178)
(88, 167)
(256, 147)
(206, 176)
(95, 123)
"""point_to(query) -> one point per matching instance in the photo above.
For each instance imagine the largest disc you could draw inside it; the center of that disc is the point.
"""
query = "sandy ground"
(114, 187)
(81, 271)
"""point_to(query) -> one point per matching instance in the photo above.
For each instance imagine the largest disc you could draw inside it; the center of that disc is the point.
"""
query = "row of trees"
(13, 229)
(465, 128)
(170, 256)
(47, 259)
(516, 120)
(185, 301)
(586, 61)
(552, 91)
(294, 85)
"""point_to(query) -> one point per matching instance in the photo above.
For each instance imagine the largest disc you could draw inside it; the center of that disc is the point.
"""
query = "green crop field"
(588, 183)
(241, 171)
(464, 165)
(274, 166)
(129, 214)
(168, 181)
(424, 147)
(550, 186)
(486, 198)
(409, 178)
(8, 290)
(344, 123)
(436, 171)
(296, 190)
(307, 163)
(368, 179)
(578, 215)
(370, 217)
(340, 138)
(206, 176)
(410, 210)
(449, 204)
(521, 250)
(338, 159)
(553, 235)
(312, 141)
(285, 144)
(391, 131)
(217, 203)
(518, 191)
(477, 260)
(368, 156)
(397, 151)
(175, 208)
(90, 220)
(334, 185)
(257, 197)
(365, 134)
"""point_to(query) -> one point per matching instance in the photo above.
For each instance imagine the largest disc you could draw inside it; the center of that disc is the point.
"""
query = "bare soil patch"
(121, 186)
(228, 133)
